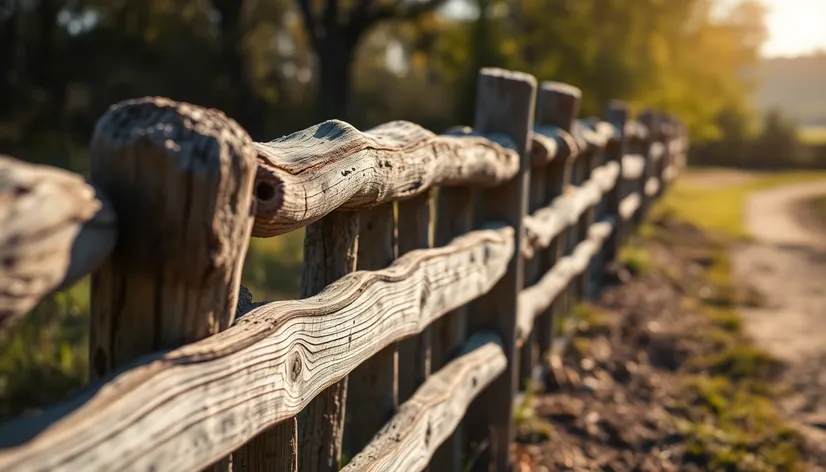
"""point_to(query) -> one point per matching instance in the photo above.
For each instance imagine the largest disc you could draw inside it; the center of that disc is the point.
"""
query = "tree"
(335, 39)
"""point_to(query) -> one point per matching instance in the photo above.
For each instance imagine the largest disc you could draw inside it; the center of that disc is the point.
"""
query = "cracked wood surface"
(54, 229)
(332, 165)
(189, 407)
(411, 437)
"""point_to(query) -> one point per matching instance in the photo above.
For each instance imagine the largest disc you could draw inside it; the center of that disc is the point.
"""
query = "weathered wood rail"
(188, 374)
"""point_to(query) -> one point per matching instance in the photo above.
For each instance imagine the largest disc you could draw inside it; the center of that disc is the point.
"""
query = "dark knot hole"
(264, 191)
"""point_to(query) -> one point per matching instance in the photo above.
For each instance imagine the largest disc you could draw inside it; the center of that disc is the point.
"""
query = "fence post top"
(511, 75)
(562, 88)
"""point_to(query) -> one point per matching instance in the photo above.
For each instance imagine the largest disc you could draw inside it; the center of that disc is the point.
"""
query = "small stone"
(587, 364)
(592, 417)
(590, 384)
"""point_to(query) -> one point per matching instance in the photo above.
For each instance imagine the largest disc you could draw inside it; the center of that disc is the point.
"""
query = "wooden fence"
(422, 326)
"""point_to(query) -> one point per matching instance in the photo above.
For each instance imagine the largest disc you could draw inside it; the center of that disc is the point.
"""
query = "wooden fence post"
(372, 391)
(504, 104)
(530, 351)
(617, 115)
(415, 232)
(453, 218)
(650, 119)
(557, 105)
(180, 180)
(330, 252)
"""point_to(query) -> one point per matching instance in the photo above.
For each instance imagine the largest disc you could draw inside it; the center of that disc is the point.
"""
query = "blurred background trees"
(277, 66)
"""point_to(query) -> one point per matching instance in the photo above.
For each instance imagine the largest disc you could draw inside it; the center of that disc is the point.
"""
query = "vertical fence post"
(330, 252)
(529, 354)
(557, 105)
(372, 392)
(649, 118)
(617, 115)
(454, 208)
(504, 104)
(180, 179)
(415, 232)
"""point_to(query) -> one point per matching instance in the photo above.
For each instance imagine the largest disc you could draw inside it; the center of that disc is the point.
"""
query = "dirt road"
(787, 263)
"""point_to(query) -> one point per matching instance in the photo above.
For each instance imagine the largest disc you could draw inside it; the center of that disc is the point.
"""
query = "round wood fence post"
(330, 253)
(180, 179)
(617, 115)
(504, 104)
(557, 105)
(372, 390)
(453, 218)
(415, 353)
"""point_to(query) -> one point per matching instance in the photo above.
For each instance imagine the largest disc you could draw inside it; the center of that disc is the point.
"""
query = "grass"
(721, 210)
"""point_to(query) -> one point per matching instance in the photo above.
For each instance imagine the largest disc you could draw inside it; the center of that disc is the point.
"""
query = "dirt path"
(787, 263)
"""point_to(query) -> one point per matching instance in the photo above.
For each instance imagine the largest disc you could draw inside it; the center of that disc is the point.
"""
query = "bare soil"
(618, 399)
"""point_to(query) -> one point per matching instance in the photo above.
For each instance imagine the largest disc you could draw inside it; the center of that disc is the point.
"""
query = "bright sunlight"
(796, 27)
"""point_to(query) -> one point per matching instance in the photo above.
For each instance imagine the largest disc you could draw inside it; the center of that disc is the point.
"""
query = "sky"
(795, 27)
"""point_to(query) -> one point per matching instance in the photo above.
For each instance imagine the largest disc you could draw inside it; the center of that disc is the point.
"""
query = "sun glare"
(795, 27)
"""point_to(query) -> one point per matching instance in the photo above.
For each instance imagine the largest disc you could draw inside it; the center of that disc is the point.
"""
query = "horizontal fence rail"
(433, 341)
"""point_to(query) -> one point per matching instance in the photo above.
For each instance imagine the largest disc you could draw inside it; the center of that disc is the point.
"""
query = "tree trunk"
(335, 56)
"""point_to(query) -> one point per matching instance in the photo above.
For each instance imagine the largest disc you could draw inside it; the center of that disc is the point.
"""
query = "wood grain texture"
(372, 388)
(54, 229)
(184, 409)
(409, 440)
(180, 179)
(330, 253)
(505, 104)
(308, 174)
(453, 218)
(538, 298)
(415, 232)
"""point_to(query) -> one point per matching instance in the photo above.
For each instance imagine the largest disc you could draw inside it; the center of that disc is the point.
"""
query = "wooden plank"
(54, 229)
(180, 177)
(308, 174)
(454, 210)
(504, 104)
(372, 391)
(409, 440)
(184, 409)
(415, 232)
(557, 105)
(330, 253)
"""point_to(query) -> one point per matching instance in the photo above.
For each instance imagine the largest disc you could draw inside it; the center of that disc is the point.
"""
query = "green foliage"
(636, 259)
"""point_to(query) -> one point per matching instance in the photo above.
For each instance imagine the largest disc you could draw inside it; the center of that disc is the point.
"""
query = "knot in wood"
(295, 367)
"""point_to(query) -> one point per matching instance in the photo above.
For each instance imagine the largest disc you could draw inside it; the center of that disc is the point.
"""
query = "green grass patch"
(636, 259)
(529, 427)
(721, 209)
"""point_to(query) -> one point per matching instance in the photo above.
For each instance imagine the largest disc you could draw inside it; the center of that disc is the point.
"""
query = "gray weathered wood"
(180, 178)
(187, 408)
(538, 298)
(372, 390)
(529, 353)
(54, 229)
(557, 106)
(409, 440)
(330, 253)
(266, 452)
(454, 211)
(415, 232)
(505, 104)
(308, 174)
(617, 115)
